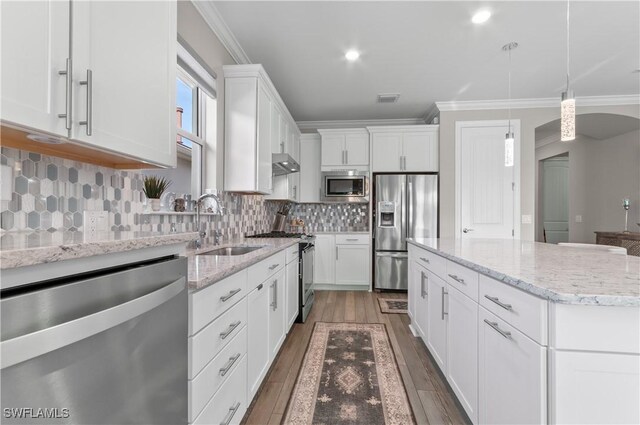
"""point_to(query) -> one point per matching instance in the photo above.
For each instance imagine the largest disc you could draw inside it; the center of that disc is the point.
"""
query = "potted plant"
(154, 187)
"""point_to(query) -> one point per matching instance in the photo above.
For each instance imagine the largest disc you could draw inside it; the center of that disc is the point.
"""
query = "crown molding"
(548, 102)
(212, 17)
(432, 112)
(548, 140)
(336, 124)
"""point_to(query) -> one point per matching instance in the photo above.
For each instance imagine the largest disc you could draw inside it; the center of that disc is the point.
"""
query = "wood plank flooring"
(430, 397)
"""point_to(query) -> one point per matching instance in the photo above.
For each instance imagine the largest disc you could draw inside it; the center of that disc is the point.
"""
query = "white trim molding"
(316, 125)
(432, 112)
(548, 140)
(549, 102)
(212, 17)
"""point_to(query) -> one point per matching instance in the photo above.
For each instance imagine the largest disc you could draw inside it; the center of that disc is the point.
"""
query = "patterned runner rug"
(349, 375)
(393, 305)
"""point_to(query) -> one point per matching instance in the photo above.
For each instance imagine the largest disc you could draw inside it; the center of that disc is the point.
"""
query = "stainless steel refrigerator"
(406, 206)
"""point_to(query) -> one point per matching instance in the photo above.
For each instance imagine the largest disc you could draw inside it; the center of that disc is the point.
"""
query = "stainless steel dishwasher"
(109, 347)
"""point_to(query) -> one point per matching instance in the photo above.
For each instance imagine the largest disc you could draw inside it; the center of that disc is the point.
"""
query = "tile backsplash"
(333, 217)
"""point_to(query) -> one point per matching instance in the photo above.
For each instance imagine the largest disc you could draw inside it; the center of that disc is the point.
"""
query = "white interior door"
(488, 193)
(555, 199)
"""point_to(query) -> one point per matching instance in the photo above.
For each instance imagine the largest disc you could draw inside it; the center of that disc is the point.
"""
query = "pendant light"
(509, 139)
(568, 103)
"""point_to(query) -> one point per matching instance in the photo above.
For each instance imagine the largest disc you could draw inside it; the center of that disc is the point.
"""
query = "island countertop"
(560, 274)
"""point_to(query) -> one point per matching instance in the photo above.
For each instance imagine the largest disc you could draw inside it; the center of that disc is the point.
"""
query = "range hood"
(283, 163)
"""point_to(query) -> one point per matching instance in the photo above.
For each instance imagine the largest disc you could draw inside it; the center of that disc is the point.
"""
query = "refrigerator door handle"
(392, 254)
(409, 207)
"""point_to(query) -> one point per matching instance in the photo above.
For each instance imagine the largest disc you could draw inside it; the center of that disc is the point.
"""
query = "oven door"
(344, 188)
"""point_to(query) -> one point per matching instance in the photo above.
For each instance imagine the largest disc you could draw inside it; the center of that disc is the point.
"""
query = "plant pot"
(155, 204)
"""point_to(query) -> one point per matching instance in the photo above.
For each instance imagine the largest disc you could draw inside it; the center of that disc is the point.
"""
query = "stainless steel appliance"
(306, 252)
(345, 186)
(405, 206)
(109, 347)
(283, 163)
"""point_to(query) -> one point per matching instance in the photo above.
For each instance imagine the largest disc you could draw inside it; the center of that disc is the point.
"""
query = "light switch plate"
(578, 219)
(526, 219)
(95, 222)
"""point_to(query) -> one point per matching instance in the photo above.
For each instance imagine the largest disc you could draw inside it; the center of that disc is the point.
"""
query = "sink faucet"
(218, 211)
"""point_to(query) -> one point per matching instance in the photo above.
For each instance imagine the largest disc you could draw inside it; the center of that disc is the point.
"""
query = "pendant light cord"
(568, 3)
(509, 90)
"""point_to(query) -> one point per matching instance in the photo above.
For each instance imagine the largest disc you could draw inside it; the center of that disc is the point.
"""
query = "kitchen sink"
(232, 250)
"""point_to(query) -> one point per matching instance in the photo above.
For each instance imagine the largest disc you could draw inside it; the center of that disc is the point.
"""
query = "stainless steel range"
(306, 251)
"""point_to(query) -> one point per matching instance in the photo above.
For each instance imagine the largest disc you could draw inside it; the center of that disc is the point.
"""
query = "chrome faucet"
(219, 211)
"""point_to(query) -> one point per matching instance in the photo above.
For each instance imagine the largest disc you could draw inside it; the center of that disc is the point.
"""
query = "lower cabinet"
(512, 374)
(352, 263)
(277, 330)
(436, 320)
(342, 259)
(258, 337)
(292, 293)
(418, 298)
(325, 259)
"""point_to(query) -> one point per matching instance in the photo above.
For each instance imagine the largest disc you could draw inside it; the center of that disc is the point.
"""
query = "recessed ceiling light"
(352, 55)
(481, 17)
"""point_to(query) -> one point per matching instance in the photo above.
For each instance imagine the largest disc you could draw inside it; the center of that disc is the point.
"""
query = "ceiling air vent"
(388, 98)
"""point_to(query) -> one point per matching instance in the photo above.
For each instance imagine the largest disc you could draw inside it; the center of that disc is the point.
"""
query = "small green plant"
(155, 186)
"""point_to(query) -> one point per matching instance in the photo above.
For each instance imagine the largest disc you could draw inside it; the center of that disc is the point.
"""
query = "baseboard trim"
(335, 287)
(413, 331)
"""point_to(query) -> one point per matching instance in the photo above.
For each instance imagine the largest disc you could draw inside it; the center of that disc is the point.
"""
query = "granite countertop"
(339, 232)
(205, 270)
(561, 274)
(20, 249)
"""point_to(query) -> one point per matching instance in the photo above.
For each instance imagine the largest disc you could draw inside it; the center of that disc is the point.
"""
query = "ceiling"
(430, 51)
(595, 126)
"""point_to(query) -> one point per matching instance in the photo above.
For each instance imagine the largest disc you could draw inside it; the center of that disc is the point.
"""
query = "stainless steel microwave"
(345, 186)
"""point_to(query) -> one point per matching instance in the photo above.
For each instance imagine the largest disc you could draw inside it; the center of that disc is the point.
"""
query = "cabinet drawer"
(292, 253)
(523, 311)
(215, 373)
(463, 279)
(229, 404)
(209, 341)
(211, 302)
(434, 263)
(352, 239)
(260, 272)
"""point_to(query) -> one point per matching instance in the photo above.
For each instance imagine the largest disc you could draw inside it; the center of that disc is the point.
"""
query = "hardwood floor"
(431, 400)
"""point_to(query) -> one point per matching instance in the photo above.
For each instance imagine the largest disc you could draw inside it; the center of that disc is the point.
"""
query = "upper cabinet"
(404, 148)
(111, 86)
(310, 174)
(345, 147)
(257, 125)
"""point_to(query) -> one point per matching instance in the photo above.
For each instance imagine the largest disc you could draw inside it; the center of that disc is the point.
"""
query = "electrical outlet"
(578, 219)
(95, 222)
(526, 219)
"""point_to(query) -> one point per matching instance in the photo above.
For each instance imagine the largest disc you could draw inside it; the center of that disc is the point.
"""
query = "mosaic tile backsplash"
(333, 217)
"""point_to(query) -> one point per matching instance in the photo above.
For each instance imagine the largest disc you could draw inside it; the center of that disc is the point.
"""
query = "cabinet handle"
(260, 286)
(281, 147)
(346, 157)
(496, 300)
(494, 325)
(274, 303)
(232, 360)
(352, 239)
(400, 163)
(232, 411)
(68, 94)
(457, 279)
(426, 260)
(231, 328)
(273, 266)
(444, 313)
(336, 253)
(423, 277)
(295, 192)
(89, 83)
(229, 295)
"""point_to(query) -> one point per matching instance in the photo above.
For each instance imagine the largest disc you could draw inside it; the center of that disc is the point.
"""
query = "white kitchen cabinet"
(462, 350)
(126, 54)
(418, 299)
(259, 354)
(511, 374)
(293, 288)
(325, 259)
(310, 172)
(277, 331)
(437, 319)
(345, 147)
(35, 48)
(352, 264)
(277, 143)
(404, 148)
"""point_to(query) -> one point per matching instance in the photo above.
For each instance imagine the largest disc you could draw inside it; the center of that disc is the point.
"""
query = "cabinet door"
(421, 283)
(258, 337)
(35, 47)
(437, 319)
(293, 286)
(310, 174)
(277, 307)
(294, 186)
(325, 259)
(295, 144)
(352, 264)
(129, 102)
(511, 374)
(420, 151)
(357, 149)
(386, 152)
(276, 140)
(332, 150)
(265, 172)
(462, 350)
(284, 134)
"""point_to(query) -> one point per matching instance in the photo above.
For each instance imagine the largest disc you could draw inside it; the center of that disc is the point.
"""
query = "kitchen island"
(526, 332)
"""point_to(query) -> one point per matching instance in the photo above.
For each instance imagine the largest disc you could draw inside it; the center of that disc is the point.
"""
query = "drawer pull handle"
(229, 295)
(494, 325)
(352, 240)
(457, 279)
(496, 300)
(444, 292)
(426, 260)
(260, 286)
(232, 360)
(423, 277)
(273, 266)
(230, 329)
(232, 411)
